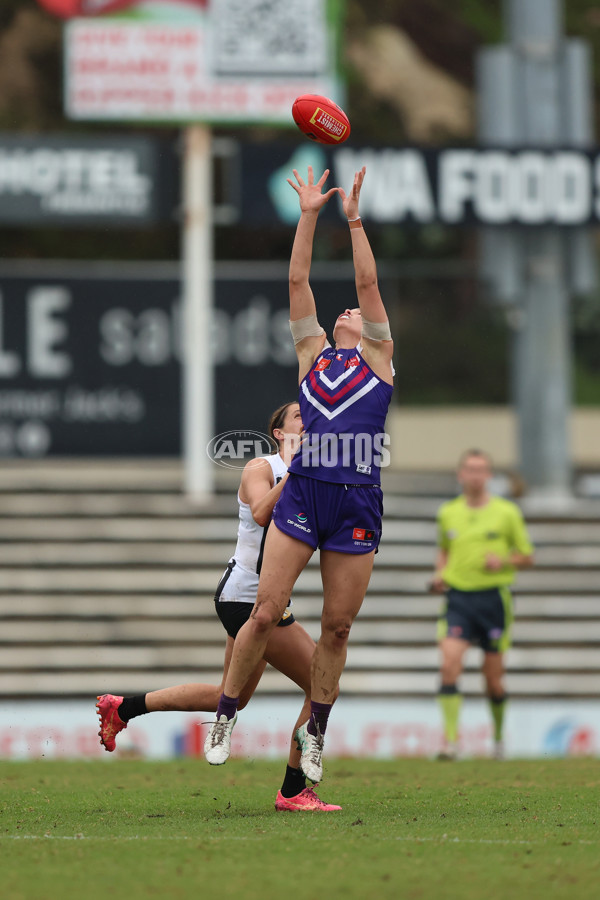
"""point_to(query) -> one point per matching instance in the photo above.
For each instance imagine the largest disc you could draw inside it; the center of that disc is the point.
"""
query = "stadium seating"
(107, 575)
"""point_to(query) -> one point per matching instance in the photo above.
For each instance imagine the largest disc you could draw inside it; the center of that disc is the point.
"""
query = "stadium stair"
(107, 575)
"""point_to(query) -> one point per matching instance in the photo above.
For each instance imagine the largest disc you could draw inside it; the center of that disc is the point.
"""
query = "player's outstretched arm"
(302, 301)
(378, 351)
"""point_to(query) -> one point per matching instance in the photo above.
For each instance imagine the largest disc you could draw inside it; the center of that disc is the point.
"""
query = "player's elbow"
(297, 279)
(365, 282)
(262, 521)
(261, 517)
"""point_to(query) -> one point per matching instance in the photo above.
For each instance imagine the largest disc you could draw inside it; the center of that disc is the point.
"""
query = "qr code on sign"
(269, 37)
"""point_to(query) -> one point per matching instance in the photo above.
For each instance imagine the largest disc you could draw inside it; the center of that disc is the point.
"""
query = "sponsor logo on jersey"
(352, 362)
(363, 534)
(297, 525)
(302, 517)
(322, 365)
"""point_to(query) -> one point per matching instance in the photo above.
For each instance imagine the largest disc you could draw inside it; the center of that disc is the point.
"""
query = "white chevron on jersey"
(331, 414)
(348, 373)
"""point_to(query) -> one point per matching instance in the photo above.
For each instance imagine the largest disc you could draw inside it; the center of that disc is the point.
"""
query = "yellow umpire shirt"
(469, 533)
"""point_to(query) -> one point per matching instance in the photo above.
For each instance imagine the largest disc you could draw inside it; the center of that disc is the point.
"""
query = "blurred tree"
(30, 68)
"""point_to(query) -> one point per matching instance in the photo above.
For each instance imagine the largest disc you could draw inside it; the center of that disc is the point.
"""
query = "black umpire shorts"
(483, 618)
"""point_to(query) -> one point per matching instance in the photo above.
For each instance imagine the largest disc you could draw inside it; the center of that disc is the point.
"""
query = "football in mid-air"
(320, 119)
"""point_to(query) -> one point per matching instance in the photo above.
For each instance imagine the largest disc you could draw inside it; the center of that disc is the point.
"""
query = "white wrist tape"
(306, 327)
(376, 331)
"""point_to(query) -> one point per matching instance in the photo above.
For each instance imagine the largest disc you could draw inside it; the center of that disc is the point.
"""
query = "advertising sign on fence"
(358, 728)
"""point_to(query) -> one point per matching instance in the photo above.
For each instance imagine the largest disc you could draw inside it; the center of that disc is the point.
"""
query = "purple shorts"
(344, 518)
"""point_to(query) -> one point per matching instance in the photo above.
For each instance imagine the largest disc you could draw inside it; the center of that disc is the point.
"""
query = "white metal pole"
(197, 274)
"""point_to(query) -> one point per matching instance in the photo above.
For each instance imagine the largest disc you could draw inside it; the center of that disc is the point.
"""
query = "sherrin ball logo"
(320, 119)
(328, 123)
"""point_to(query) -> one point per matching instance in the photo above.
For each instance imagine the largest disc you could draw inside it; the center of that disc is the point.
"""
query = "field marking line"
(183, 837)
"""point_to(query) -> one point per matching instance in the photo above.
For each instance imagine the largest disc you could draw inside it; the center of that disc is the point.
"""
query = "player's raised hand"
(350, 201)
(310, 193)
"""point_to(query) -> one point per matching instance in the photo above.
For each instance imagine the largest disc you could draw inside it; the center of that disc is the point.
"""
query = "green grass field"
(408, 829)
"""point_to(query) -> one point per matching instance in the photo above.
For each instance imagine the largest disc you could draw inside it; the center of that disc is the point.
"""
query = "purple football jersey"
(344, 405)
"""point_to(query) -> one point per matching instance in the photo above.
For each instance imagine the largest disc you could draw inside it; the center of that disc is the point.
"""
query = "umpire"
(482, 540)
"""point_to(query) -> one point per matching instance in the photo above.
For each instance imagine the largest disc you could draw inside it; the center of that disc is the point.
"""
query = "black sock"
(132, 707)
(293, 783)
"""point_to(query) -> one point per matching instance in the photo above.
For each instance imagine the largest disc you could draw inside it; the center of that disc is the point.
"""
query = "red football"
(320, 119)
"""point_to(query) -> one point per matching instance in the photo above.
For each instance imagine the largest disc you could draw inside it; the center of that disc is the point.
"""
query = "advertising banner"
(215, 61)
(358, 728)
(86, 180)
(127, 180)
(88, 366)
(90, 355)
(416, 186)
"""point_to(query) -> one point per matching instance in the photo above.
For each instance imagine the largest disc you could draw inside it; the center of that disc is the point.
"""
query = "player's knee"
(450, 670)
(263, 619)
(336, 631)
(342, 633)
(495, 687)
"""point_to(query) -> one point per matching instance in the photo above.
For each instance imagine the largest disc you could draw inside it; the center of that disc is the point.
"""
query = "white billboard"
(229, 61)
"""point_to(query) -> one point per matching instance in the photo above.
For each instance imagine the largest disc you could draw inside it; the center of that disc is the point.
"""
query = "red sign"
(69, 9)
